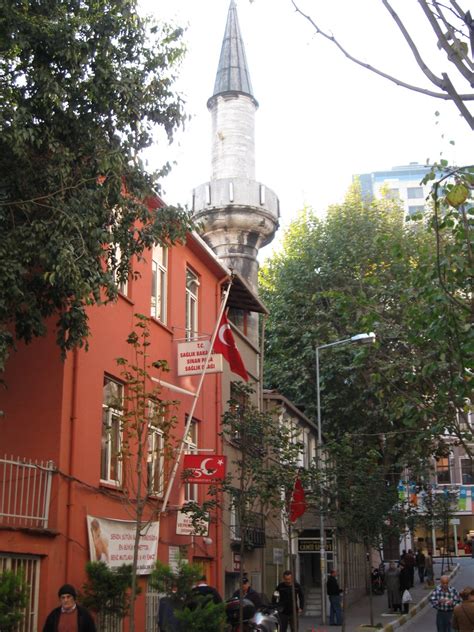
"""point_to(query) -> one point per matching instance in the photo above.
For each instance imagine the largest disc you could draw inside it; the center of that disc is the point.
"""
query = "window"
(192, 285)
(191, 447)
(122, 285)
(159, 282)
(443, 474)
(155, 456)
(412, 210)
(239, 318)
(414, 193)
(393, 194)
(467, 472)
(111, 465)
(29, 567)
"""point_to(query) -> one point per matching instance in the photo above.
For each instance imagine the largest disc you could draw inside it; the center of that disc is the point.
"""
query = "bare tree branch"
(448, 92)
(453, 56)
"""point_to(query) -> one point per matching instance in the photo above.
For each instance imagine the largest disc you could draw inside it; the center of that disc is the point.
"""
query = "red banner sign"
(205, 469)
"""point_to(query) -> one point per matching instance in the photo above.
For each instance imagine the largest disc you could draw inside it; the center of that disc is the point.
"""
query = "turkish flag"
(205, 469)
(225, 344)
(298, 502)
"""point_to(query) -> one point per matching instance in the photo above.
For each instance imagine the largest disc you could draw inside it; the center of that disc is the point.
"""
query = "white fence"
(25, 492)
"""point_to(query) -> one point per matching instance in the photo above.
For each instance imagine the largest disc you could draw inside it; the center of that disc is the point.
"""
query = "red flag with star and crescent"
(225, 344)
(298, 501)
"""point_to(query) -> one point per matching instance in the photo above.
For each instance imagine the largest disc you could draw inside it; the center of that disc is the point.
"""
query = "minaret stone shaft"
(238, 215)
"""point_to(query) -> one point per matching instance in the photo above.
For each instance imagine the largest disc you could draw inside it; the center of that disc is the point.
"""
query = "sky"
(321, 119)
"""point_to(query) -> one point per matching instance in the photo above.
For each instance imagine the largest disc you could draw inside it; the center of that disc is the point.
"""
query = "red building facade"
(59, 436)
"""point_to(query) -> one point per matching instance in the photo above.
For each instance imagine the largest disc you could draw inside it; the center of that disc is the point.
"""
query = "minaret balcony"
(237, 204)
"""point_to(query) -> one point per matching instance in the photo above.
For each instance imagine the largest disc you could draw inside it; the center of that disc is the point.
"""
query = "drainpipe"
(72, 436)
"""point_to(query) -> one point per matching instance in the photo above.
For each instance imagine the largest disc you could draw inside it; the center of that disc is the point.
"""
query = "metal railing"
(25, 492)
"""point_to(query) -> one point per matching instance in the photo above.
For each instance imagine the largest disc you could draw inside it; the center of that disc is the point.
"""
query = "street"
(425, 621)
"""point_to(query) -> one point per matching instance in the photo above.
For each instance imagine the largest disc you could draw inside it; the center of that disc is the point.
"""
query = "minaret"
(238, 215)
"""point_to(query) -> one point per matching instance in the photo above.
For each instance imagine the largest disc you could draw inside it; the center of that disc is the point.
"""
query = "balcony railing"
(25, 492)
(253, 531)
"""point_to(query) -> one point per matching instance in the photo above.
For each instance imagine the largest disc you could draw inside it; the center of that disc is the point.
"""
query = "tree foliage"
(83, 85)
(13, 600)
(145, 416)
(195, 613)
(452, 30)
(363, 268)
(107, 591)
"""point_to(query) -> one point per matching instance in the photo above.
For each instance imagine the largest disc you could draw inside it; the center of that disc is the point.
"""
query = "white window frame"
(159, 283)
(155, 455)
(449, 470)
(191, 447)
(461, 459)
(111, 423)
(192, 303)
(415, 193)
(122, 285)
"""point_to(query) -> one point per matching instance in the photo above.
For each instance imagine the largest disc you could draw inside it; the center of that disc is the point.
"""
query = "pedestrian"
(405, 584)
(410, 562)
(167, 621)
(283, 596)
(463, 614)
(203, 588)
(248, 593)
(444, 598)
(420, 561)
(69, 615)
(429, 571)
(334, 594)
(392, 582)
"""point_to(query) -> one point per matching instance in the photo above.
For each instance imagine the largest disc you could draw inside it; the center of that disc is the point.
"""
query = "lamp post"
(357, 339)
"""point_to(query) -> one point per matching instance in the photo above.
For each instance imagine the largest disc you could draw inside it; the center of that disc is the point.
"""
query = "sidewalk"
(358, 613)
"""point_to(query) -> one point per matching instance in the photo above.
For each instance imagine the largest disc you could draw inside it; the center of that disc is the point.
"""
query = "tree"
(195, 613)
(83, 86)
(107, 591)
(264, 465)
(146, 424)
(13, 600)
(360, 270)
(360, 497)
(453, 31)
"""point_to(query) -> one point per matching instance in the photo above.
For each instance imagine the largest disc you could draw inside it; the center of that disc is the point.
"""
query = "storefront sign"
(312, 545)
(184, 525)
(278, 556)
(112, 542)
(204, 469)
(192, 358)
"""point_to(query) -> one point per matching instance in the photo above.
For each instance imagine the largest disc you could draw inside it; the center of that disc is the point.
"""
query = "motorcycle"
(263, 619)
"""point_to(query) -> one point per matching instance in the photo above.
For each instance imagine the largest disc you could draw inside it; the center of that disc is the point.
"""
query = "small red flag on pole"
(225, 344)
(298, 502)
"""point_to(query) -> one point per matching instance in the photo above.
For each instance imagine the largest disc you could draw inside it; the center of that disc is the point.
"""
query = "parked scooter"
(263, 619)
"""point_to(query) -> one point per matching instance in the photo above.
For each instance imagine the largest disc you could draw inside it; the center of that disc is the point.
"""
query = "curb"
(415, 610)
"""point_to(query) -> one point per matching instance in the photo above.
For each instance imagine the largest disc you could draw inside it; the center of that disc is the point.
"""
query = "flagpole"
(196, 397)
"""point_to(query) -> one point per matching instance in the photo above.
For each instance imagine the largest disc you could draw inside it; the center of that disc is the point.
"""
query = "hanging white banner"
(111, 541)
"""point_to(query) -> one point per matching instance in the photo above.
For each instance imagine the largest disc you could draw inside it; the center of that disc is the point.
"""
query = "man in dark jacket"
(334, 594)
(203, 588)
(70, 615)
(283, 596)
(248, 593)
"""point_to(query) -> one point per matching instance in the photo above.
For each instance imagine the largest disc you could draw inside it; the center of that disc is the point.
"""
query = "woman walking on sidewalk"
(392, 581)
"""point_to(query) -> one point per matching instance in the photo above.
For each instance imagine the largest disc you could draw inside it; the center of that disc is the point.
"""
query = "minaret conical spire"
(233, 73)
(237, 214)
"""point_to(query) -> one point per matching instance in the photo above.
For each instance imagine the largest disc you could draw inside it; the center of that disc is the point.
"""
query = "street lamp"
(357, 339)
